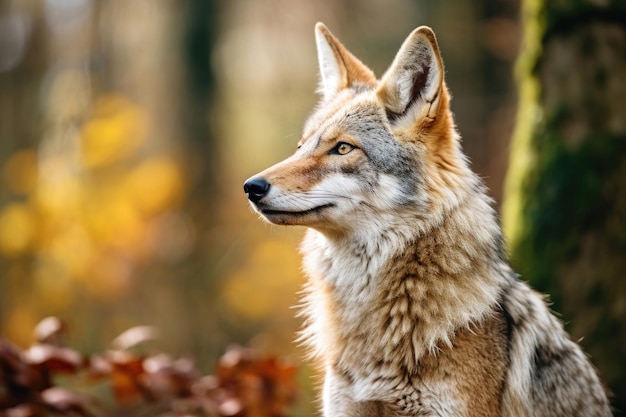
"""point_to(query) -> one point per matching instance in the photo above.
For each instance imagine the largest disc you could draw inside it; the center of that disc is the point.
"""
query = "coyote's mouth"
(268, 212)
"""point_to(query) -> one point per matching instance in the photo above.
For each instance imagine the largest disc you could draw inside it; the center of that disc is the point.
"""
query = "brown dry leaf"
(126, 371)
(66, 402)
(26, 410)
(231, 407)
(54, 358)
(134, 336)
(19, 377)
(98, 367)
(50, 330)
(125, 386)
(263, 387)
(10, 354)
(126, 361)
(205, 386)
(166, 377)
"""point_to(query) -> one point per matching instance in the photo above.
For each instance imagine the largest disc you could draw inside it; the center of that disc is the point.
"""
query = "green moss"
(542, 171)
(522, 155)
(566, 199)
(600, 77)
(564, 16)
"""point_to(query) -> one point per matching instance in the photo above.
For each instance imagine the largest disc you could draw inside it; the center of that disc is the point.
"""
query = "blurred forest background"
(128, 127)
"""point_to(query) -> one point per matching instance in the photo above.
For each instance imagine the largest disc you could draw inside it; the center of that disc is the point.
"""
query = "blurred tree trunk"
(565, 200)
(23, 63)
(198, 273)
(198, 40)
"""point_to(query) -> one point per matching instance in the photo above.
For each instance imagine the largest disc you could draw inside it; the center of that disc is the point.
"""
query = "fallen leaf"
(54, 358)
(50, 330)
(134, 336)
(66, 401)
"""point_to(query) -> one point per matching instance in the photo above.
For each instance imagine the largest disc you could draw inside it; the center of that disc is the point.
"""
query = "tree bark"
(564, 211)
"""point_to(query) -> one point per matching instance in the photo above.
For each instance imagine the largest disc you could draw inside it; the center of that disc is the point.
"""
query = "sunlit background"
(128, 127)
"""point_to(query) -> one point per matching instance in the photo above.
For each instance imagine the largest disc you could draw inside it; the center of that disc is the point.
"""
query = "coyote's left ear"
(339, 69)
(415, 78)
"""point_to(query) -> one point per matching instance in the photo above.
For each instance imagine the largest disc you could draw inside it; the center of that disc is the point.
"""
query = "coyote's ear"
(415, 77)
(339, 69)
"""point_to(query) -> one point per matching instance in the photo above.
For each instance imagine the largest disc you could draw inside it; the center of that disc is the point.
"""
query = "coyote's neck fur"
(404, 292)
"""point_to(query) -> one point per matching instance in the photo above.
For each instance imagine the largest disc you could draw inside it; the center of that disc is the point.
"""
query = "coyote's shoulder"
(411, 307)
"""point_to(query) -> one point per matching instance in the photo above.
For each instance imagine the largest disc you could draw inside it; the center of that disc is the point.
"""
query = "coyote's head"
(373, 150)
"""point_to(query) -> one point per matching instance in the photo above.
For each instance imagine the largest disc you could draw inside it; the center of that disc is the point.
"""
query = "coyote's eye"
(342, 148)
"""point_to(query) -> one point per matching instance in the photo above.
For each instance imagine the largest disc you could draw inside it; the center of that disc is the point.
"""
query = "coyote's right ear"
(339, 69)
(415, 78)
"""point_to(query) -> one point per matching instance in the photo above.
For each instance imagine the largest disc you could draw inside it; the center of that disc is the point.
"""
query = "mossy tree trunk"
(565, 198)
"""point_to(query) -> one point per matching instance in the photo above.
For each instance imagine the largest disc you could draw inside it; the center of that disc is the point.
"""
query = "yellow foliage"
(155, 185)
(20, 172)
(90, 224)
(19, 324)
(265, 285)
(113, 220)
(17, 228)
(110, 276)
(60, 199)
(73, 249)
(117, 129)
(54, 288)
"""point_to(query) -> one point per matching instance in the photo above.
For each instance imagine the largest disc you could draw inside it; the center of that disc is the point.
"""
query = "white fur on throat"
(347, 275)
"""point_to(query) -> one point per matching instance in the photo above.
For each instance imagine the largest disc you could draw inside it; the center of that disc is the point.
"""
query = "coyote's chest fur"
(411, 307)
(385, 312)
(406, 288)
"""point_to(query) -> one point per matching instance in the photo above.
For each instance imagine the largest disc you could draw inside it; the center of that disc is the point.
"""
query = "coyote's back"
(411, 306)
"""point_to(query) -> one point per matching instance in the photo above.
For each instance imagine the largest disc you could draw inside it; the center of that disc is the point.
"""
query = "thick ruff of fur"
(411, 306)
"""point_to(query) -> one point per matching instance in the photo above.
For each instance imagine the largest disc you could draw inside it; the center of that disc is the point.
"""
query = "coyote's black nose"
(256, 188)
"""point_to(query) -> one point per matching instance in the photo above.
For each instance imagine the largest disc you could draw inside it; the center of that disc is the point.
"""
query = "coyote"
(411, 306)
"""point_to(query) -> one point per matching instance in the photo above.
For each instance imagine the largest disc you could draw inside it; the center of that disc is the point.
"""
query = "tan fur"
(411, 308)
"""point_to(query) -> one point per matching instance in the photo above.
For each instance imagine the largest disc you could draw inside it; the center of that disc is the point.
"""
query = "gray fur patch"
(384, 151)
